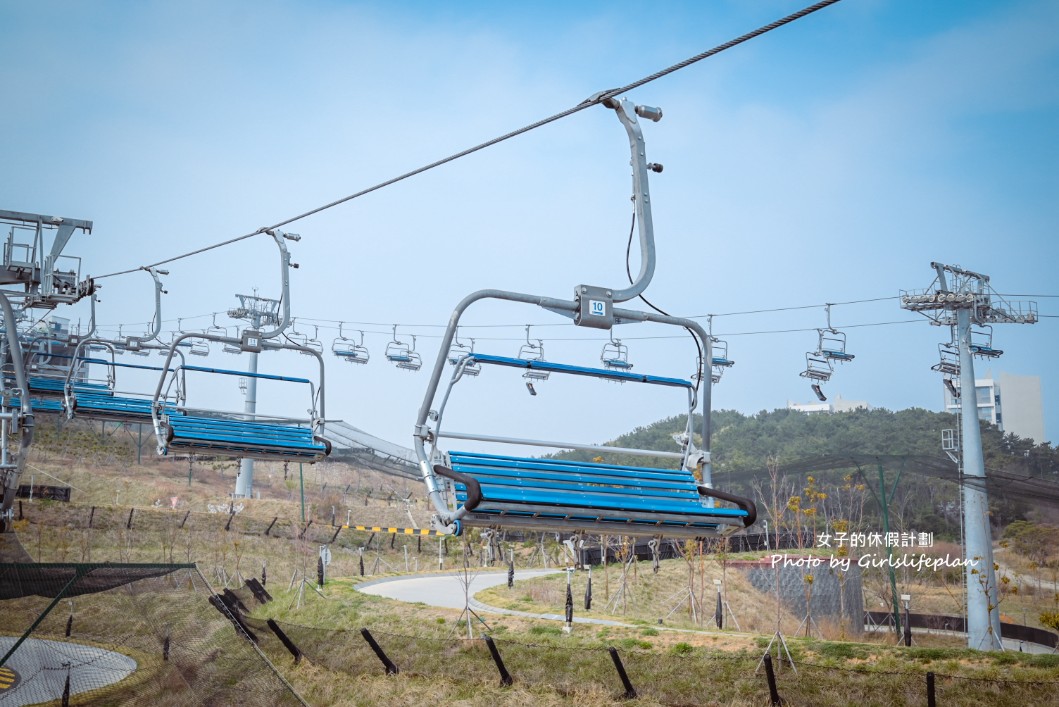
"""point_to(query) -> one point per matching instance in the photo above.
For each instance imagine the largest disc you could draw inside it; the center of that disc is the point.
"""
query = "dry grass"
(667, 667)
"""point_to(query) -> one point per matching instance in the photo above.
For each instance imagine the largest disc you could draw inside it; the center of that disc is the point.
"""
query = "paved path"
(41, 667)
(446, 590)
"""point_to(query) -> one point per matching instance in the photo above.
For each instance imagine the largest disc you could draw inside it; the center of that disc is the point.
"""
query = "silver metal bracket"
(595, 307)
(251, 341)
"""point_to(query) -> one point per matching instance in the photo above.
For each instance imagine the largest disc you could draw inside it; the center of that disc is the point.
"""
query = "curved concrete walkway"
(41, 667)
(446, 590)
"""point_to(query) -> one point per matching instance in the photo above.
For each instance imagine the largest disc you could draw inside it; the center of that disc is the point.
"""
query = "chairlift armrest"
(744, 503)
(474, 489)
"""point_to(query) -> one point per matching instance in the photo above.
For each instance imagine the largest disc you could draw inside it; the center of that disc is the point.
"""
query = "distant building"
(835, 405)
(1012, 403)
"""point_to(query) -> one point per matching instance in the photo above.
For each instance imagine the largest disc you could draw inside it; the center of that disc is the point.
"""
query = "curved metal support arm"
(284, 274)
(641, 195)
(135, 342)
(422, 434)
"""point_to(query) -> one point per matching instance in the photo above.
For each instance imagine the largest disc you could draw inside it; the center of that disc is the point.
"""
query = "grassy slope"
(550, 668)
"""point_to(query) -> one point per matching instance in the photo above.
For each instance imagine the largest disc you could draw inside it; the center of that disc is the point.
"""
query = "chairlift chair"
(832, 346)
(219, 332)
(164, 350)
(348, 350)
(949, 361)
(982, 343)
(314, 343)
(200, 347)
(296, 337)
(496, 491)
(460, 351)
(402, 355)
(228, 346)
(533, 353)
(232, 434)
(817, 367)
(719, 360)
(615, 355)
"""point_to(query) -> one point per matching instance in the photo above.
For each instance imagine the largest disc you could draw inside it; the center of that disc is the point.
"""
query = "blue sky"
(829, 161)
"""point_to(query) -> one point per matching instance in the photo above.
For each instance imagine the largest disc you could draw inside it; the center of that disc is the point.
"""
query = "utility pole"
(259, 312)
(962, 300)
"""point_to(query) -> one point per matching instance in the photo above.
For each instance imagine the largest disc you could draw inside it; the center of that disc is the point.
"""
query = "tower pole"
(983, 612)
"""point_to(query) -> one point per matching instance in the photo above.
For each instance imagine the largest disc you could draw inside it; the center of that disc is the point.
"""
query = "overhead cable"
(587, 103)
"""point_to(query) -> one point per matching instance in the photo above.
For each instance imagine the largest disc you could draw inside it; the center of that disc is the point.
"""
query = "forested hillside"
(801, 448)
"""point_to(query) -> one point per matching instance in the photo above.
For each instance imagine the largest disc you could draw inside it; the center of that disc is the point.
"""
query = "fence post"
(505, 677)
(128, 524)
(186, 516)
(630, 691)
(774, 695)
(931, 699)
(391, 669)
(285, 640)
(91, 515)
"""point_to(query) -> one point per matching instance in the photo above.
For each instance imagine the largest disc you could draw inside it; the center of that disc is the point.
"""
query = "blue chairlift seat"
(116, 408)
(349, 350)
(54, 387)
(39, 405)
(985, 351)
(840, 356)
(242, 438)
(617, 364)
(351, 354)
(233, 437)
(555, 494)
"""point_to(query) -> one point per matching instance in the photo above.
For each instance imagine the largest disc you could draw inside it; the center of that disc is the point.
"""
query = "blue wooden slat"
(591, 492)
(520, 477)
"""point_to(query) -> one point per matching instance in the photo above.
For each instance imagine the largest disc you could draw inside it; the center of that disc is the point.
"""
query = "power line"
(596, 99)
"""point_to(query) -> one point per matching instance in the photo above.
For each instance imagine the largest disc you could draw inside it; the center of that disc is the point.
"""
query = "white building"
(835, 405)
(1012, 403)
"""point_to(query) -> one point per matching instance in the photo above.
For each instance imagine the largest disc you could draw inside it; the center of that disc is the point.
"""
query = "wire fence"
(674, 674)
(126, 634)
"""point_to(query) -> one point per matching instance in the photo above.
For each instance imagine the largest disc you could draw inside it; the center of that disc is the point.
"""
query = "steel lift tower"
(259, 311)
(963, 299)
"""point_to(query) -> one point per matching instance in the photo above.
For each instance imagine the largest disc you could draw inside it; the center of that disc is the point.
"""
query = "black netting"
(146, 635)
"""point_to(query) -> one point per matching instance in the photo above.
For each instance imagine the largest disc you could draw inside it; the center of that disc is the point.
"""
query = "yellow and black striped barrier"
(395, 531)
